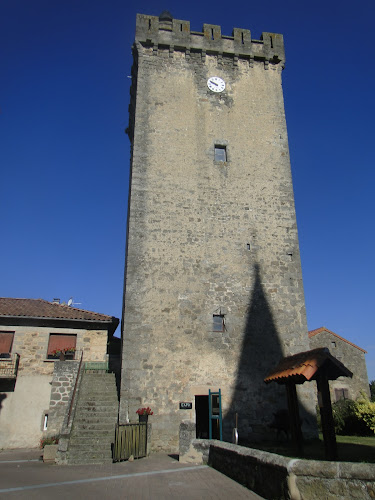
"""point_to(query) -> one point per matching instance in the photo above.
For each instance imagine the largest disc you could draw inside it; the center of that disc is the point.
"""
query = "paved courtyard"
(23, 475)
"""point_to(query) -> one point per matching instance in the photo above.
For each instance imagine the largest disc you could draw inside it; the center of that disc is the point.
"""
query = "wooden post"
(295, 422)
(328, 426)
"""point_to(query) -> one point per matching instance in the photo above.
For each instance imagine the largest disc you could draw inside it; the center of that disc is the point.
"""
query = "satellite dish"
(70, 301)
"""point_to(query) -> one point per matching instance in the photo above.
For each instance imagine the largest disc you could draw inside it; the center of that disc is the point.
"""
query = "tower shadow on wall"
(253, 400)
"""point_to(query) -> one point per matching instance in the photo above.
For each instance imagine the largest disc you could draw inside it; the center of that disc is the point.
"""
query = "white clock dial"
(216, 84)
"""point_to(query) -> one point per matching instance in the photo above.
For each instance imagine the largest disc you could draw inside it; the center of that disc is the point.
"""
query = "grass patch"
(350, 448)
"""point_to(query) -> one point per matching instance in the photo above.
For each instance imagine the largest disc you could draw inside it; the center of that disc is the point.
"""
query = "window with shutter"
(6, 342)
(341, 394)
(60, 342)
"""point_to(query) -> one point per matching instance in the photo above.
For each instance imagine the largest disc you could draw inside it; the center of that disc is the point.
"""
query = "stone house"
(34, 384)
(351, 355)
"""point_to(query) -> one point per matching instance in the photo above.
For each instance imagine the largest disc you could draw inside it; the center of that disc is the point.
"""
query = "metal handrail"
(75, 389)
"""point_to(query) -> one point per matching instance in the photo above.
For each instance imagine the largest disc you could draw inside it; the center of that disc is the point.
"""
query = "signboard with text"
(186, 406)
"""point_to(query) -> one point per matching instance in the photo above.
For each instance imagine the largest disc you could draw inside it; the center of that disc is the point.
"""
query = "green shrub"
(49, 440)
(352, 418)
(344, 417)
(365, 412)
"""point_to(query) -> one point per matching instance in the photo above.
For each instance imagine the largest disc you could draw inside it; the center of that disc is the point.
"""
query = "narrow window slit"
(212, 34)
(271, 42)
(218, 323)
(220, 153)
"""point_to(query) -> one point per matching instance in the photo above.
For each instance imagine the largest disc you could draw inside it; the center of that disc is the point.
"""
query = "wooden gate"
(130, 439)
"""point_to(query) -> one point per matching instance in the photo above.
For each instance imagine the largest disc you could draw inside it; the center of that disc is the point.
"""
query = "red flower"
(145, 411)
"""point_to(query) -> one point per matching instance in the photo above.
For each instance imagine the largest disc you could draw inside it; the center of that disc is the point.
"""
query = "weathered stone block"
(50, 452)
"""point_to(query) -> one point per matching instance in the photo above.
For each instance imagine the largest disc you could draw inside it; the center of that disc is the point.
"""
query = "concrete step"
(95, 395)
(91, 453)
(99, 432)
(101, 414)
(98, 400)
(90, 457)
(91, 444)
(93, 418)
(99, 385)
(83, 426)
(94, 390)
(94, 426)
(97, 380)
(100, 407)
(89, 461)
(98, 404)
(87, 403)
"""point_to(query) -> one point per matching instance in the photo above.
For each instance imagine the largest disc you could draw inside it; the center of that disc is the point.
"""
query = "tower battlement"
(164, 31)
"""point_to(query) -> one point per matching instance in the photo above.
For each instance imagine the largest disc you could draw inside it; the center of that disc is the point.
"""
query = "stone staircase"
(95, 419)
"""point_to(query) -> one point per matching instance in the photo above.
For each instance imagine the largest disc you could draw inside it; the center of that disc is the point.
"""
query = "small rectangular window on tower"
(218, 323)
(341, 394)
(220, 153)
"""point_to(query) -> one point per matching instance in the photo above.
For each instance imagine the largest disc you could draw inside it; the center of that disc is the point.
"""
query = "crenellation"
(212, 33)
(151, 31)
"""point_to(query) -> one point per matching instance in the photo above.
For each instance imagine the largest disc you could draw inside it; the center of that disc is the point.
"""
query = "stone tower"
(213, 286)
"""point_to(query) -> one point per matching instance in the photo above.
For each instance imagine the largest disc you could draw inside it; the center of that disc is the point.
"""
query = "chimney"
(56, 301)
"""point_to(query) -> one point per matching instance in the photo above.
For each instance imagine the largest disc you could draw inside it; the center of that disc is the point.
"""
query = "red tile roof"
(39, 308)
(312, 333)
(305, 365)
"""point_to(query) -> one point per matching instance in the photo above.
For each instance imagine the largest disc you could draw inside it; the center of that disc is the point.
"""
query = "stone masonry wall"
(64, 377)
(31, 343)
(277, 477)
(208, 237)
(352, 357)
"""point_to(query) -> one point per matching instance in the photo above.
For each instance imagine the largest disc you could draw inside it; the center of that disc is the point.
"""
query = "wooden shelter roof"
(306, 366)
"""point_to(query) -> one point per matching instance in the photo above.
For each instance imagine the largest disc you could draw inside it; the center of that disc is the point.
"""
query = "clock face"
(216, 84)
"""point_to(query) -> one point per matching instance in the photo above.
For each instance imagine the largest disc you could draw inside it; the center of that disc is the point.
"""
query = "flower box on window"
(61, 346)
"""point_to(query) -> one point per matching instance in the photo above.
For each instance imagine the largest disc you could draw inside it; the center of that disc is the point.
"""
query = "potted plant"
(69, 352)
(143, 414)
(63, 354)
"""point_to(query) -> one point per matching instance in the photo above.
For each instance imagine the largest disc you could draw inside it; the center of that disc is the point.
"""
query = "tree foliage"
(372, 390)
(365, 411)
(354, 417)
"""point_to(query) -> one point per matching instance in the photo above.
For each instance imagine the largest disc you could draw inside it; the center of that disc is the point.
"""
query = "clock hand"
(214, 83)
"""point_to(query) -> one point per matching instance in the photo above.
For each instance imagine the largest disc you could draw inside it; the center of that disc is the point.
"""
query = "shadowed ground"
(23, 476)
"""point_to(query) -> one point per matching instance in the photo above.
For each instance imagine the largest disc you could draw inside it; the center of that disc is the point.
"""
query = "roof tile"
(39, 308)
(304, 366)
(312, 333)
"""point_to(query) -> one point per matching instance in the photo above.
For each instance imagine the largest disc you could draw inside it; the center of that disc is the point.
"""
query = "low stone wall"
(275, 477)
(64, 376)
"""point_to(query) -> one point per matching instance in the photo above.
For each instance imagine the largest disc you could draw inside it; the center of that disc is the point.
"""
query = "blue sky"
(64, 93)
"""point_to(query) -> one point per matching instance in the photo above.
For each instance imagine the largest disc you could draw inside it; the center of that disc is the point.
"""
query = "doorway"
(201, 417)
